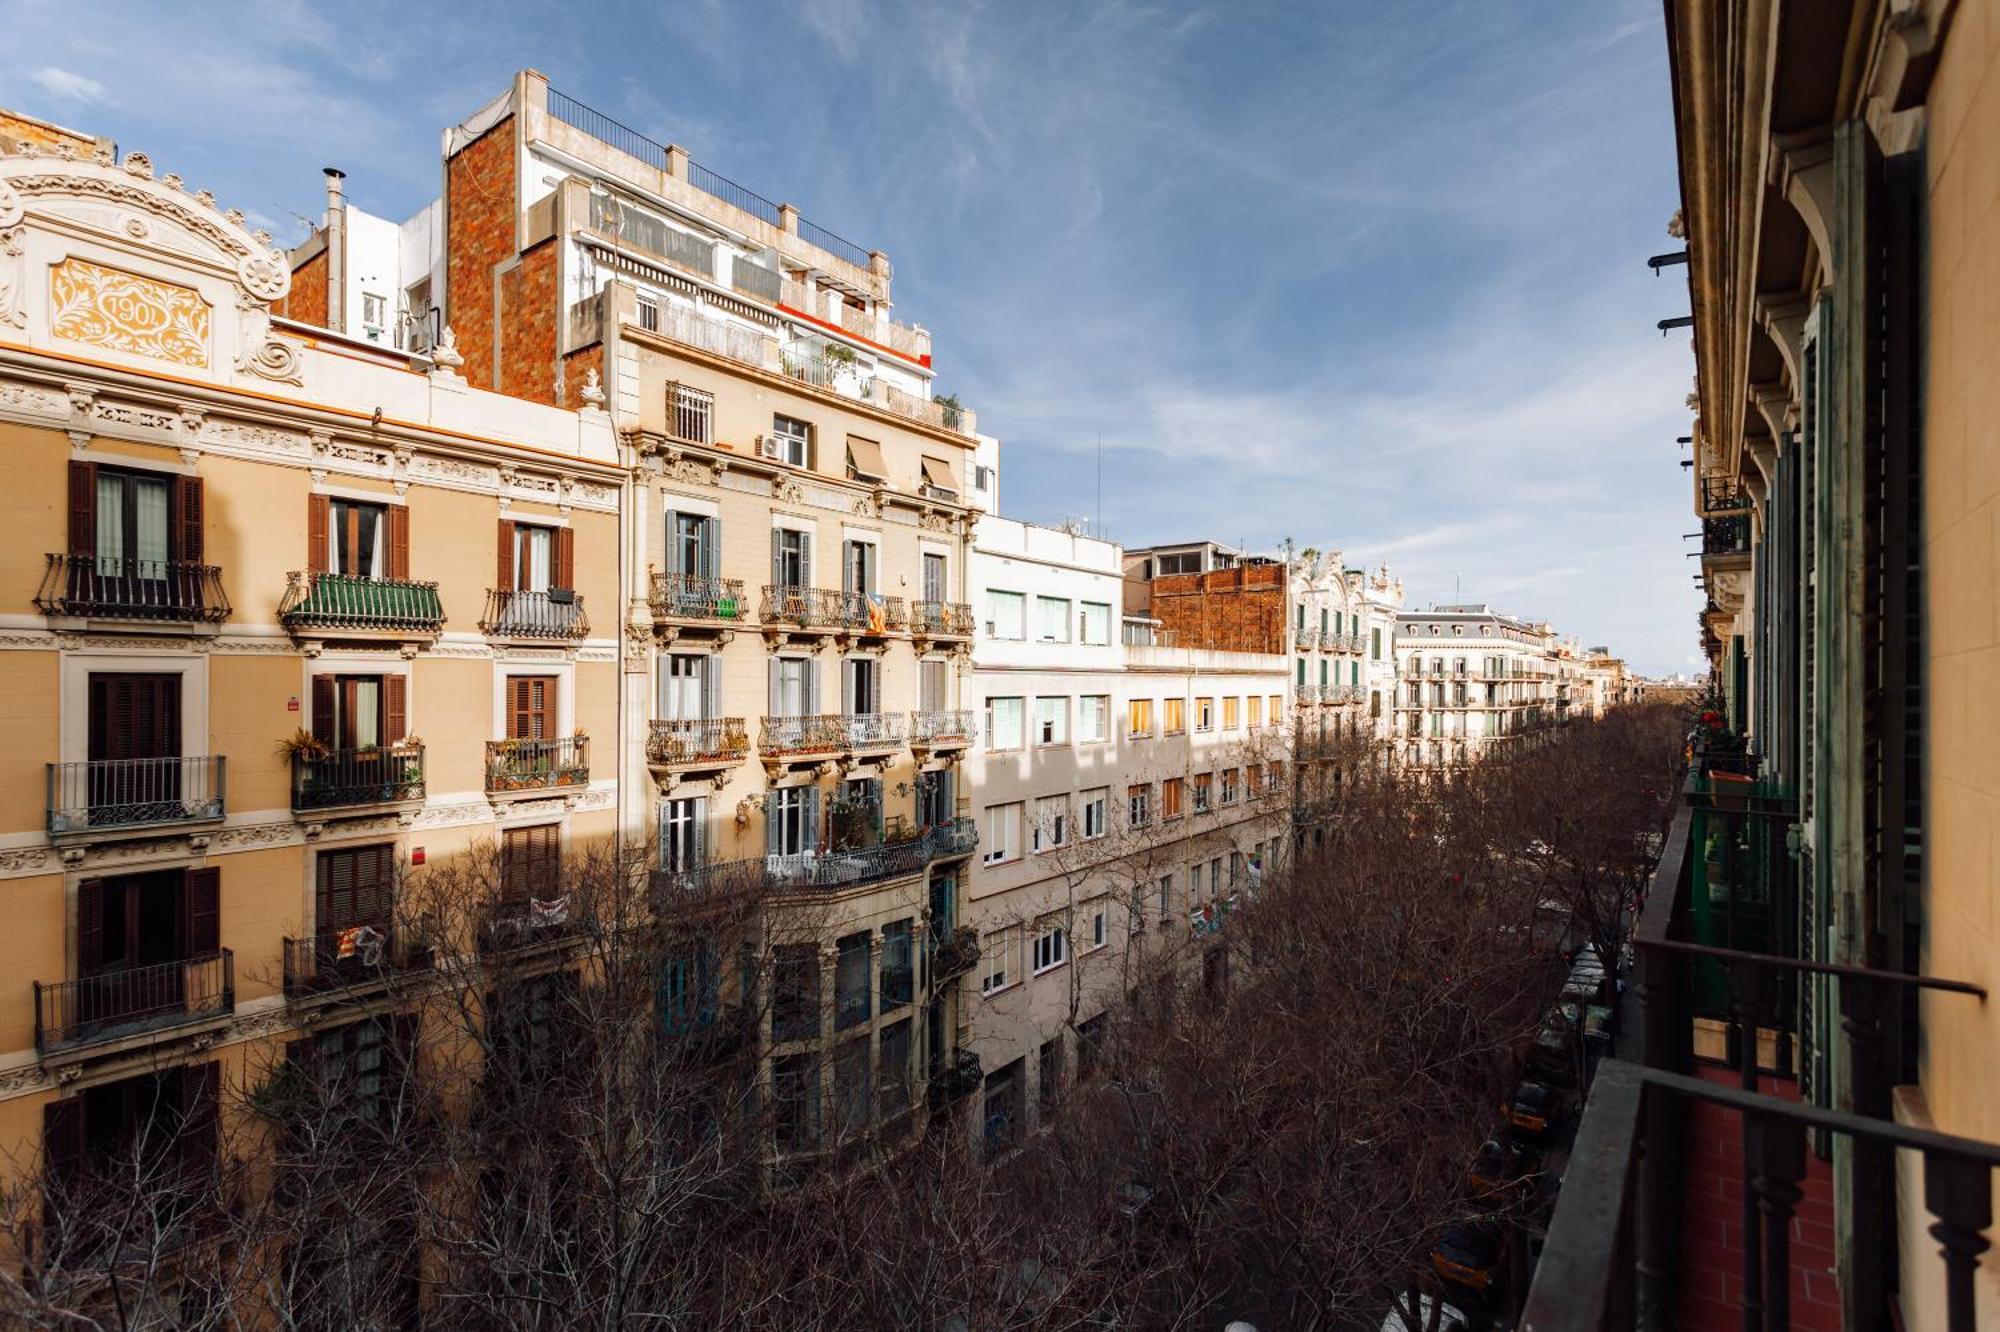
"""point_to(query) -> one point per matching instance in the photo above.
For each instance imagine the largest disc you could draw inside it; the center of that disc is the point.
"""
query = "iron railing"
(954, 955)
(114, 1004)
(378, 774)
(342, 601)
(822, 733)
(942, 619)
(837, 246)
(122, 589)
(363, 957)
(686, 597)
(946, 726)
(1721, 494)
(867, 613)
(134, 793)
(802, 607)
(690, 412)
(555, 614)
(533, 765)
(822, 871)
(515, 923)
(954, 837)
(871, 730)
(737, 196)
(1726, 534)
(702, 740)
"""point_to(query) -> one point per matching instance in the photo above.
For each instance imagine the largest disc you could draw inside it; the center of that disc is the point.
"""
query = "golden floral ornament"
(124, 312)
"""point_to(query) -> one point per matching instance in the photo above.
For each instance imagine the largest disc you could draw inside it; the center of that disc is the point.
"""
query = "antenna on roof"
(1100, 481)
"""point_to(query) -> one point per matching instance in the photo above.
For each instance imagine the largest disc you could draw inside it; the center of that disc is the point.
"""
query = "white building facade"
(1474, 683)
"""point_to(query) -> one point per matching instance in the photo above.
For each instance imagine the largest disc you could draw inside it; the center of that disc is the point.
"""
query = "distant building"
(1474, 684)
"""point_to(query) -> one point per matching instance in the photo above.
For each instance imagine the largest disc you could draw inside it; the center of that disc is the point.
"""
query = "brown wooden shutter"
(334, 909)
(200, 1095)
(399, 541)
(503, 578)
(187, 530)
(62, 1138)
(82, 508)
(565, 559)
(322, 706)
(375, 884)
(204, 911)
(531, 707)
(89, 926)
(319, 528)
(395, 708)
(520, 716)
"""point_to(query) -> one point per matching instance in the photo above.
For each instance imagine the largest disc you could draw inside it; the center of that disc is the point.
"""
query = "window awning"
(937, 472)
(864, 456)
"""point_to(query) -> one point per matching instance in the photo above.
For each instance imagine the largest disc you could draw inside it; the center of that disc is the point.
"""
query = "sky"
(1364, 277)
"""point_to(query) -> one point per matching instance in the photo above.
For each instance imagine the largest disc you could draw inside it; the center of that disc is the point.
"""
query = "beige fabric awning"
(937, 472)
(865, 457)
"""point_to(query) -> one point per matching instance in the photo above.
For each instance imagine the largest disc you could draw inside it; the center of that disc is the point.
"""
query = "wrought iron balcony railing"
(104, 794)
(131, 1000)
(533, 765)
(871, 730)
(956, 954)
(823, 871)
(554, 614)
(943, 727)
(326, 601)
(704, 600)
(109, 587)
(802, 607)
(378, 775)
(809, 734)
(954, 837)
(363, 957)
(702, 740)
(1728, 534)
(942, 619)
(514, 923)
(866, 613)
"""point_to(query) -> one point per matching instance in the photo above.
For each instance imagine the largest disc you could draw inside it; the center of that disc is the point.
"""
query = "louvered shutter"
(395, 708)
(503, 575)
(773, 707)
(673, 560)
(565, 558)
(200, 1091)
(520, 719)
(848, 668)
(814, 837)
(62, 1138)
(710, 536)
(204, 911)
(777, 557)
(711, 687)
(805, 559)
(322, 714)
(699, 854)
(89, 926)
(375, 885)
(319, 528)
(399, 541)
(335, 906)
(847, 568)
(82, 508)
(187, 525)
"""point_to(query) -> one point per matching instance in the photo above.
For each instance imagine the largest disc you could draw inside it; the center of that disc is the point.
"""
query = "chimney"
(336, 251)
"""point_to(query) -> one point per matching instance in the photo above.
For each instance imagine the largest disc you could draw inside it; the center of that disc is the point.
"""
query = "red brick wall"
(576, 366)
(1229, 610)
(480, 209)
(528, 307)
(306, 301)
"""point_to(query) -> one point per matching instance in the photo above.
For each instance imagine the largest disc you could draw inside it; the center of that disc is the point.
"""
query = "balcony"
(935, 732)
(960, 1077)
(324, 605)
(526, 767)
(555, 615)
(351, 963)
(864, 615)
(955, 837)
(345, 778)
(811, 873)
(109, 796)
(134, 1002)
(955, 955)
(1698, 1192)
(1725, 542)
(684, 605)
(935, 621)
(802, 739)
(789, 611)
(514, 925)
(703, 744)
(163, 592)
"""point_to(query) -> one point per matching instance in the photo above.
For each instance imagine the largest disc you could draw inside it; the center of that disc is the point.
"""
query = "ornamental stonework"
(140, 316)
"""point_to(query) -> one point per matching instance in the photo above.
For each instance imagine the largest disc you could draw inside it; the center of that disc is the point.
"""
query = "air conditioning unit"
(770, 446)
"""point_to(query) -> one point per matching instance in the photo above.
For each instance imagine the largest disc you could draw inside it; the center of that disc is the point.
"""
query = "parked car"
(1534, 1111)
(1472, 1254)
(1554, 1056)
(1502, 1168)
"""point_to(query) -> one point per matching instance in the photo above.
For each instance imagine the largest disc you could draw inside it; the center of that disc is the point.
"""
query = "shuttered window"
(531, 863)
(134, 716)
(356, 886)
(531, 707)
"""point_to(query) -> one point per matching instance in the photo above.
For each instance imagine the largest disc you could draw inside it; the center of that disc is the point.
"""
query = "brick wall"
(306, 301)
(576, 366)
(16, 128)
(480, 209)
(528, 310)
(1229, 610)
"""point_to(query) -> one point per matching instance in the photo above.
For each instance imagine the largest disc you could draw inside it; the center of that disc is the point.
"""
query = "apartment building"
(1381, 603)
(1128, 792)
(1474, 684)
(1602, 682)
(288, 613)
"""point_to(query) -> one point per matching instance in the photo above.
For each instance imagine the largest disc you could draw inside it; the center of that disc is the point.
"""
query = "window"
(1301, 673)
(1139, 805)
(791, 821)
(1232, 713)
(1096, 623)
(1194, 883)
(1090, 1038)
(1215, 877)
(1003, 723)
(1051, 721)
(794, 440)
(934, 577)
(1003, 832)
(1002, 1109)
(864, 460)
(898, 965)
(1236, 863)
(853, 1098)
(853, 958)
(1049, 1071)
(1093, 718)
(1176, 720)
(1139, 717)
(795, 1102)
(1172, 793)
(356, 535)
(791, 557)
(933, 686)
(1051, 948)
(1051, 822)
(649, 314)
(1253, 778)
(996, 960)
(1256, 710)
(374, 311)
(794, 991)
(1277, 710)
(1097, 924)
(1375, 644)
(531, 707)
(1052, 619)
(692, 540)
(1204, 791)
(133, 522)
(858, 567)
(1230, 786)
(354, 887)
(1006, 616)
(1166, 896)
(1204, 714)
(1322, 672)
(1095, 802)
(893, 1057)
(683, 834)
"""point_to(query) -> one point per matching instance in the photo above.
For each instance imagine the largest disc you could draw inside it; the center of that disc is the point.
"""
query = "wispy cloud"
(72, 88)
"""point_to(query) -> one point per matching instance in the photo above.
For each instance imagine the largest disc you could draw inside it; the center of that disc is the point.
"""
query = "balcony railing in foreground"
(133, 1000)
(105, 794)
(822, 871)
(113, 588)
(376, 775)
(684, 597)
(535, 765)
(335, 602)
(556, 613)
(358, 959)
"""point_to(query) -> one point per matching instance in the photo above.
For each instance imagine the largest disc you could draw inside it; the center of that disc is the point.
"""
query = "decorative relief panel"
(141, 316)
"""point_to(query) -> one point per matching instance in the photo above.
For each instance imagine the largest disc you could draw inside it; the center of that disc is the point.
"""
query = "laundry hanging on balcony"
(360, 941)
(548, 913)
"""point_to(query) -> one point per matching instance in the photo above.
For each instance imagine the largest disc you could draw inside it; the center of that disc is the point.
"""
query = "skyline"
(1458, 215)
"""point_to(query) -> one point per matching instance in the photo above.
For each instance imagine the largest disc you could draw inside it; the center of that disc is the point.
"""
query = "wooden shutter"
(673, 553)
(805, 559)
(565, 558)
(335, 891)
(395, 707)
(187, 524)
(204, 911)
(711, 687)
(771, 686)
(847, 579)
(777, 556)
(200, 1091)
(82, 508)
(531, 707)
(771, 824)
(89, 926)
(398, 540)
(322, 706)
(319, 529)
(709, 535)
(62, 1138)
(503, 576)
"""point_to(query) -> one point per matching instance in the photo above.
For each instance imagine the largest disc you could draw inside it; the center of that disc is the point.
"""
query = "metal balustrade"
(553, 614)
(676, 596)
(703, 740)
(868, 613)
(957, 725)
(359, 958)
(131, 1000)
(342, 601)
(533, 765)
(820, 733)
(802, 607)
(822, 871)
(102, 794)
(109, 587)
(380, 774)
(942, 619)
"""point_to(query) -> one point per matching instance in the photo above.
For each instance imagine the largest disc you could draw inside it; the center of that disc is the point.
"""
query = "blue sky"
(1367, 276)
